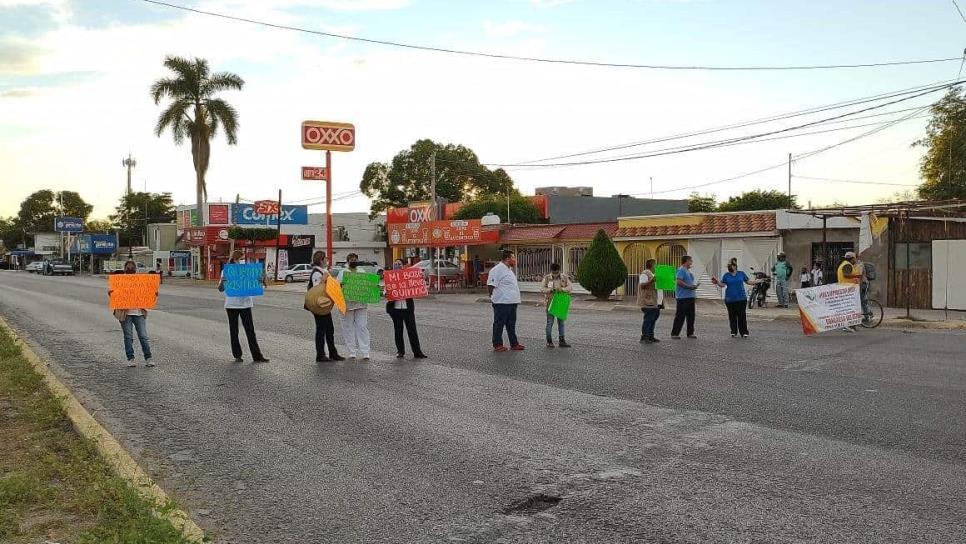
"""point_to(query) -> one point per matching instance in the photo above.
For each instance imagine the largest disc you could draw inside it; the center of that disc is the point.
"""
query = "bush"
(601, 269)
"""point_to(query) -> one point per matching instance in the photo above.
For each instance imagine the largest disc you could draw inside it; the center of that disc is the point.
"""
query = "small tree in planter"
(601, 269)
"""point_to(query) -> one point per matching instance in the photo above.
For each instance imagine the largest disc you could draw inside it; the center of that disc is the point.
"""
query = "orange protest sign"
(334, 290)
(129, 291)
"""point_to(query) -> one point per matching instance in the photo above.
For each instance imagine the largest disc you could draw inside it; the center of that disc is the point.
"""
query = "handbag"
(317, 301)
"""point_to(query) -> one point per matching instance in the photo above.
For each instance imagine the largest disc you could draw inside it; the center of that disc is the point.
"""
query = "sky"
(75, 74)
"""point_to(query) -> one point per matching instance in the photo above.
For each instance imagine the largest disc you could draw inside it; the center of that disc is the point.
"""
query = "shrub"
(601, 269)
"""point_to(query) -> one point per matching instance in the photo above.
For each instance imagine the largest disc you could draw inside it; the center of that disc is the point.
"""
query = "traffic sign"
(328, 136)
(68, 224)
(315, 173)
(266, 207)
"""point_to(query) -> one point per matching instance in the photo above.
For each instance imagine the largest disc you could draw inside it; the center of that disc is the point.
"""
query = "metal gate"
(635, 255)
(670, 254)
(533, 263)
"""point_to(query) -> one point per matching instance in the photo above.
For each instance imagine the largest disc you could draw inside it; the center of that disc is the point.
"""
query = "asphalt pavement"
(778, 438)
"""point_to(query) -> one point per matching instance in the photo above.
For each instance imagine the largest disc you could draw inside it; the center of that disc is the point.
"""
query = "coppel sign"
(245, 214)
(68, 224)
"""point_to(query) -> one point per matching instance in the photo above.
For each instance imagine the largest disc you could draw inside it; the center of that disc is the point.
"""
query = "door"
(948, 287)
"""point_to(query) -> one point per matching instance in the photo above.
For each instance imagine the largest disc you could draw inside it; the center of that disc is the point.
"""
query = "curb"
(110, 449)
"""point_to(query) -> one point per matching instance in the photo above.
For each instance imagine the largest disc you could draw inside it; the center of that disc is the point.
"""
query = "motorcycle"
(760, 290)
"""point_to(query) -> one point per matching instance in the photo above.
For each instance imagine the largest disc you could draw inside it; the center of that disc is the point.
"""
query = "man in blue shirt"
(685, 292)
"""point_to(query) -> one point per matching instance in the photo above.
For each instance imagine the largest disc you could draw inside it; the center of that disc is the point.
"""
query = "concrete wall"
(162, 236)
(584, 209)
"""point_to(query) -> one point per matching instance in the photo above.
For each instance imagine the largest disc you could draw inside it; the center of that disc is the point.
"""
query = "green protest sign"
(361, 287)
(559, 306)
(665, 277)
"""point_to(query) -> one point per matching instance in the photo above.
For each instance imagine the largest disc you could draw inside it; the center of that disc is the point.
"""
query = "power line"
(963, 17)
(763, 120)
(719, 143)
(856, 181)
(540, 59)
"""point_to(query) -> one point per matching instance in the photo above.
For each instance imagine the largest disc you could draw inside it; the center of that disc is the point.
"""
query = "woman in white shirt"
(403, 314)
(241, 307)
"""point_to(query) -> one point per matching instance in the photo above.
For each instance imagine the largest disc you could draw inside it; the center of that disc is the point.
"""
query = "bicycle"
(873, 317)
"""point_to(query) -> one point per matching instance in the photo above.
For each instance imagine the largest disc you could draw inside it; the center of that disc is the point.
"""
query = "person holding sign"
(403, 312)
(735, 298)
(555, 285)
(505, 297)
(239, 305)
(686, 294)
(324, 327)
(355, 322)
(650, 299)
(132, 317)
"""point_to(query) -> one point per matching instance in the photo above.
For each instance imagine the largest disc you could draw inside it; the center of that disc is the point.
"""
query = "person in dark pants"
(649, 299)
(735, 299)
(505, 297)
(403, 314)
(685, 293)
(241, 307)
(324, 327)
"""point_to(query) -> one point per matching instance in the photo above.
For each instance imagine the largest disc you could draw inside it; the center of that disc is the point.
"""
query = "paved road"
(775, 439)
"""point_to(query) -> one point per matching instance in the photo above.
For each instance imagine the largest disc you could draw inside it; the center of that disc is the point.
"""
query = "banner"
(665, 275)
(246, 214)
(243, 280)
(133, 291)
(334, 290)
(829, 307)
(405, 283)
(441, 233)
(559, 306)
(361, 287)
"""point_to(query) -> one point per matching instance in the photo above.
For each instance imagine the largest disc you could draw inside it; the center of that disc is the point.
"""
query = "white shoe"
(848, 329)
(132, 364)
(149, 363)
(365, 357)
(352, 356)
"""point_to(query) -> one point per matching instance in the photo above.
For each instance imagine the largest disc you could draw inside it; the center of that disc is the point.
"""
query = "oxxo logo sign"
(420, 215)
(330, 136)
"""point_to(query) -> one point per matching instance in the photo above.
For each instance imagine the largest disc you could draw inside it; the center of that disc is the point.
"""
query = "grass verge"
(53, 484)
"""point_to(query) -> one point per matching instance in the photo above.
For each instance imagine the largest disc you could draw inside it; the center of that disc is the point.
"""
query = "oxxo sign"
(328, 136)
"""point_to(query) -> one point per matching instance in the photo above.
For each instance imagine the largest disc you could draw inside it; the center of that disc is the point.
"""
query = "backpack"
(869, 270)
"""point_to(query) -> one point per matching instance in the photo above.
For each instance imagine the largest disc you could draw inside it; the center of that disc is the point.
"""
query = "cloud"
(18, 56)
(510, 28)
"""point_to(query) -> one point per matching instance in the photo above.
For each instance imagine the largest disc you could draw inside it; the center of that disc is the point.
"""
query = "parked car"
(439, 267)
(35, 267)
(296, 272)
(58, 267)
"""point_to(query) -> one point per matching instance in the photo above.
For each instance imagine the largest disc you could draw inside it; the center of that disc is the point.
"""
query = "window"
(919, 253)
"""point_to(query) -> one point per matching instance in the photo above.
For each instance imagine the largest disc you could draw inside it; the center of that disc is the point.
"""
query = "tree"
(459, 177)
(195, 113)
(136, 210)
(943, 167)
(37, 211)
(99, 226)
(698, 203)
(601, 270)
(759, 200)
(522, 209)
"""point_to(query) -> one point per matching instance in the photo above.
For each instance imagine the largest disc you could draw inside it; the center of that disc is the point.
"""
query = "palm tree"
(195, 113)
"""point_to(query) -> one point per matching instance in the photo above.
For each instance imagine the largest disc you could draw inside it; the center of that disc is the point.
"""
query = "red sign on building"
(219, 214)
(441, 233)
(266, 207)
(405, 283)
(315, 173)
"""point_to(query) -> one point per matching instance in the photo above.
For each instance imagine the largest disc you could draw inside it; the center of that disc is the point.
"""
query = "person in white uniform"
(355, 322)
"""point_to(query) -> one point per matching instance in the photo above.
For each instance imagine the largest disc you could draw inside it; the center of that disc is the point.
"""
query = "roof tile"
(712, 224)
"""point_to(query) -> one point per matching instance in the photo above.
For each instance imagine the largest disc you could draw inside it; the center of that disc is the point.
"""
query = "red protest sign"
(405, 283)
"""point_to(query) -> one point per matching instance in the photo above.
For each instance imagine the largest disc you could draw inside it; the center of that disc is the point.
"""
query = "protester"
(403, 313)
(324, 327)
(685, 294)
(505, 297)
(805, 278)
(782, 270)
(649, 298)
(850, 271)
(241, 307)
(817, 275)
(477, 269)
(736, 300)
(555, 282)
(135, 318)
(355, 322)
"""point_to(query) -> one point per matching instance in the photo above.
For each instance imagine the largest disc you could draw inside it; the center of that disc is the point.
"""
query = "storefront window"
(919, 255)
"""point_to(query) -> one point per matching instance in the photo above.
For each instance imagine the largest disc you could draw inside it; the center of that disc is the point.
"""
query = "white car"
(296, 272)
(35, 267)
(442, 268)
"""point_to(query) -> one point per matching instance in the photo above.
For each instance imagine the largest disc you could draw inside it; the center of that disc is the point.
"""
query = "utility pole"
(130, 163)
(652, 187)
(789, 180)
(432, 211)
(278, 233)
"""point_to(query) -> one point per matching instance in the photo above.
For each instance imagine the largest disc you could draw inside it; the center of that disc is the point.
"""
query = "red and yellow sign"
(315, 173)
(266, 207)
(133, 291)
(328, 136)
(441, 233)
(405, 283)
